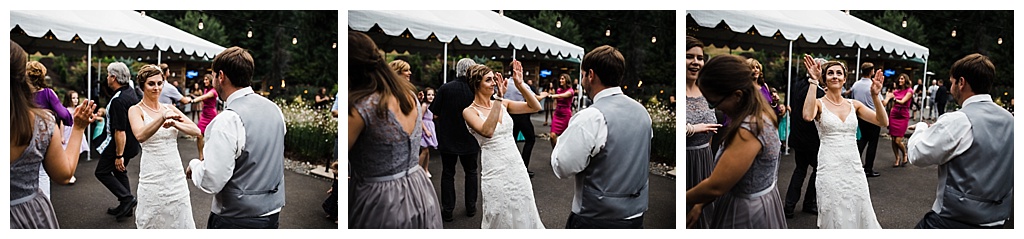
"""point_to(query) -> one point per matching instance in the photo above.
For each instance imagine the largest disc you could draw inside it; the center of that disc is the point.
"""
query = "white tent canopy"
(118, 33)
(477, 32)
(817, 29)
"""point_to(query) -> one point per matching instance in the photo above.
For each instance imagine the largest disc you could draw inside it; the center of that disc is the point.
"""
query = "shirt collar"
(607, 92)
(978, 98)
(238, 94)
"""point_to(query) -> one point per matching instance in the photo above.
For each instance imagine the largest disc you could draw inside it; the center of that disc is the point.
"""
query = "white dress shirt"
(585, 136)
(224, 142)
(948, 138)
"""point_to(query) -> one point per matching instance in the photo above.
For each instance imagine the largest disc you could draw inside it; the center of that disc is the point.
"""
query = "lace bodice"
(697, 112)
(25, 169)
(832, 131)
(383, 148)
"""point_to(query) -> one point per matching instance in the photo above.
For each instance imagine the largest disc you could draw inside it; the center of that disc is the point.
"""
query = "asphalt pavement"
(553, 195)
(83, 205)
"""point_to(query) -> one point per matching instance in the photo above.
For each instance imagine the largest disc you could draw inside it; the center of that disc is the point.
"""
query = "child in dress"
(429, 136)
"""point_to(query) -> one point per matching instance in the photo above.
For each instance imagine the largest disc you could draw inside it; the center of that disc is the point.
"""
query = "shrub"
(663, 122)
(312, 134)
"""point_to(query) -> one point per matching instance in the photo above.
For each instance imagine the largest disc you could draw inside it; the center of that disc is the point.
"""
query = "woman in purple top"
(46, 99)
(563, 108)
(762, 86)
(209, 99)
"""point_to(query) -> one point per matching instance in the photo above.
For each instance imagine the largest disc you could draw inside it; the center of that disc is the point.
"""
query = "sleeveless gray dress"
(29, 207)
(388, 188)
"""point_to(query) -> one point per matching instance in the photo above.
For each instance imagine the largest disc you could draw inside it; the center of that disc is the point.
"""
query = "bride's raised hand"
(813, 68)
(501, 84)
(876, 82)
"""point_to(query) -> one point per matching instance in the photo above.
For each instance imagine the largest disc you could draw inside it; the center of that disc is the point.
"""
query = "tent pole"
(789, 87)
(858, 65)
(88, 78)
(445, 59)
(924, 90)
(158, 55)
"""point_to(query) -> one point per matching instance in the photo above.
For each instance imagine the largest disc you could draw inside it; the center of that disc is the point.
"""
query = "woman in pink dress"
(899, 118)
(563, 108)
(209, 100)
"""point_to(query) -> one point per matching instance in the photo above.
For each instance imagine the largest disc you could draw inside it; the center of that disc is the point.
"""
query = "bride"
(505, 184)
(843, 197)
(163, 192)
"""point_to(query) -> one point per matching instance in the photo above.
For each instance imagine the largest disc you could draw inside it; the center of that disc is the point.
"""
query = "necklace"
(833, 102)
(150, 108)
(481, 106)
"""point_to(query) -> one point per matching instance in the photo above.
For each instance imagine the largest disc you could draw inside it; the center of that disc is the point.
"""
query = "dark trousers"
(932, 220)
(581, 222)
(521, 123)
(804, 158)
(219, 222)
(469, 166)
(941, 106)
(868, 138)
(115, 181)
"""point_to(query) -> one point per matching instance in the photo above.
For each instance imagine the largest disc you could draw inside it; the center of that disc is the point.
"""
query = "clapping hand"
(501, 85)
(83, 113)
(813, 68)
(517, 72)
(876, 82)
(170, 117)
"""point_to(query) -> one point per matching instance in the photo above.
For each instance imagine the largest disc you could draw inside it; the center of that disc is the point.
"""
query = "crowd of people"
(476, 117)
(735, 185)
(241, 148)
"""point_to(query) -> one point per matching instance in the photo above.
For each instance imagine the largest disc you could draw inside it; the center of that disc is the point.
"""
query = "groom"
(607, 148)
(973, 148)
(244, 153)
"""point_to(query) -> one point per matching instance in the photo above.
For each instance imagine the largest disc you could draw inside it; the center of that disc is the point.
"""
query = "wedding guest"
(34, 137)
(163, 197)
(322, 99)
(607, 149)
(170, 93)
(521, 122)
(70, 102)
(209, 111)
(429, 134)
(120, 146)
(387, 189)
(563, 107)
(46, 99)
(899, 117)
(805, 143)
(401, 68)
(975, 186)
(742, 184)
(700, 126)
(868, 131)
(455, 142)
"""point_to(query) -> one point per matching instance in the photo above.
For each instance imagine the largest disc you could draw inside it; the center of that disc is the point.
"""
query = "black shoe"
(811, 210)
(471, 211)
(447, 216)
(127, 210)
(872, 174)
(531, 173)
(788, 211)
(112, 210)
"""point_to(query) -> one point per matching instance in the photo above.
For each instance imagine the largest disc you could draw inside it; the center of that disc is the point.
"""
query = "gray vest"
(978, 185)
(614, 184)
(257, 185)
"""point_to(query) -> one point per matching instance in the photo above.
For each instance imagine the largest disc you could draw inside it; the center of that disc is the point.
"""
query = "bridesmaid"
(700, 125)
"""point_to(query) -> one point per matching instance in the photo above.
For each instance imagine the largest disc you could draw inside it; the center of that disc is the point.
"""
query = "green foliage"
(312, 134)
(212, 31)
(663, 122)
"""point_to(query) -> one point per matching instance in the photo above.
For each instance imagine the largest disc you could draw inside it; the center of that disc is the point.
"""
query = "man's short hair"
(977, 70)
(866, 69)
(164, 68)
(607, 63)
(237, 65)
(463, 66)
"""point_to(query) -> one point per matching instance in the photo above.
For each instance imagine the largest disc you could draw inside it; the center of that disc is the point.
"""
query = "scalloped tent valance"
(119, 33)
(473, 30)
(808, 29)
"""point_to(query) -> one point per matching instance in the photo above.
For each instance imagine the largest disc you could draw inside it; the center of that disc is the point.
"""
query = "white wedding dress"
(507, 191)
(163, 195)
(844, 200)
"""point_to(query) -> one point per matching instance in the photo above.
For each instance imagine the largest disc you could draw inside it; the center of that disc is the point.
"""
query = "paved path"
(84, 204)
(553, 195)
(900, 196)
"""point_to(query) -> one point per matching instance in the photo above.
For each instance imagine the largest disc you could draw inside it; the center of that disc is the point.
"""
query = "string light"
(295, 40)
(1000, 40)
(249, 34)
(954, 32)
(608, 31)
(200, 24)
(654, 39)
(558, 22)
(904, 21)
(334, 45)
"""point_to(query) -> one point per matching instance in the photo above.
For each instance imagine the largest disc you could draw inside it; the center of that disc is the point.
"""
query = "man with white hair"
(120, 145)
(454, 141)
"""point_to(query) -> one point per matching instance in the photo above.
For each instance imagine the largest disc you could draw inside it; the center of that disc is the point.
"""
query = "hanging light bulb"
(200, 24)
(558, 22)
(295, 39)
(1000, 40)
(249, 34)
(334, 45)
(654, 39)
(954, 32)
(904, 21)
(608, 31)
